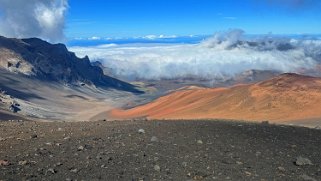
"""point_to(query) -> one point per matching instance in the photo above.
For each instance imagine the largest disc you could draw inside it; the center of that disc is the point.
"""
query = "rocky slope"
(286, 97)
(45, 81)
(53, 62)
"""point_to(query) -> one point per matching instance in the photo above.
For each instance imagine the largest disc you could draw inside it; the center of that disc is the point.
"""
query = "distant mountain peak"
(53, 62)
(292, 80)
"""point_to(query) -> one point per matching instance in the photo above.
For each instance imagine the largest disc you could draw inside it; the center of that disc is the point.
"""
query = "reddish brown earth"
(287, 97)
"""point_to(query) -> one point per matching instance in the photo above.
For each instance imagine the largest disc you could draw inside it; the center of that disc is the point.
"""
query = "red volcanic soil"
(284, 98)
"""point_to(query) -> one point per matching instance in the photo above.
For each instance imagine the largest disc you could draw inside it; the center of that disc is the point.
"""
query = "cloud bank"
(224, 54)
(33, 18)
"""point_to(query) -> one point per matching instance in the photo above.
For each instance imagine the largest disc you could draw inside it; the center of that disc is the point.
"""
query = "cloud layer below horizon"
(33, 18)
(224, 54)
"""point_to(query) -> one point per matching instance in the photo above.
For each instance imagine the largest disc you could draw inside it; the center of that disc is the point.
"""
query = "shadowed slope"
(53, 62)
(283, 98)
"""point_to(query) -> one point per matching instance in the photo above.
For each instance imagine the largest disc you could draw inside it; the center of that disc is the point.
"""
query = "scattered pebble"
(52, 171)
(141, 131)
(81, 148)
(58, 164)
(154, 139)
(23, 162)
(248, 173)
(301, 161)
(34, 136)
(4, 163)
(281, 169)
(307, 178)
(74, 170)
(157, 168)
(199, 142)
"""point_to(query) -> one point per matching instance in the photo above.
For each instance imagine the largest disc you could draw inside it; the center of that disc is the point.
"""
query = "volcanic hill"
(286, 97)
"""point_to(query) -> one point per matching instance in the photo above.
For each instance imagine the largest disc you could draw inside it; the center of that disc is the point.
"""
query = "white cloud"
(33, 18)
(224, 54)
(94, 38)
(153, 37)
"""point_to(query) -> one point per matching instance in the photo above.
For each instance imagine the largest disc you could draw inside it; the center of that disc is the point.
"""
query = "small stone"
(141, 131)
(198, 177)
(281, 169)
(81, 148)
(58, 164)
(307, 178)
(4, 163)
(157, 168)
(248, 173)
(67, 138)
(199, 142)
(88, 147)
(23, 162)
(74, 170)
(300, 161)
(59, 129)
(154, 139)
(34, 136)
(52, 171)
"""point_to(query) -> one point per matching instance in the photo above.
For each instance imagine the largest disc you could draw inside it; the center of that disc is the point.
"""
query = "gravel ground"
(154, 150)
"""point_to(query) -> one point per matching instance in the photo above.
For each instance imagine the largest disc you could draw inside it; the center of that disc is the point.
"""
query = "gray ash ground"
(141, 150)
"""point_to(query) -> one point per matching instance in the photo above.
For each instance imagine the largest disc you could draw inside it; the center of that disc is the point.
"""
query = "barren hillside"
(283, 98)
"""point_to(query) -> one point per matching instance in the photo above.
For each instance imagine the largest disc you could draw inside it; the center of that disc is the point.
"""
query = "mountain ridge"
(53, 62)
(285, 97)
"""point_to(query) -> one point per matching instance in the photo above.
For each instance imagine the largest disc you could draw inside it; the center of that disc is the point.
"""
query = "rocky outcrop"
(53, 62)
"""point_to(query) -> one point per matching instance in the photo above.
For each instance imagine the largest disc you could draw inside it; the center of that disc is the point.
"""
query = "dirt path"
(178, 150)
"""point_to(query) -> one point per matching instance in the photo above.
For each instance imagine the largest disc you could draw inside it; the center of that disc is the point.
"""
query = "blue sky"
(129, 18)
